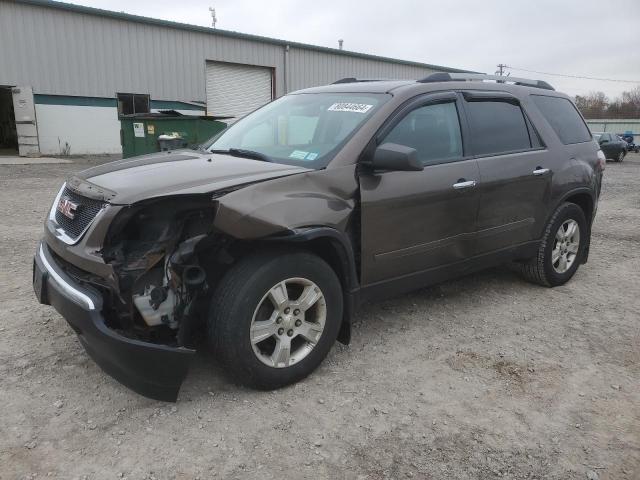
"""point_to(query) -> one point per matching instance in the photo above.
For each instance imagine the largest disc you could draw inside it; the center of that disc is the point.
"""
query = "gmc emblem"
(67, 208)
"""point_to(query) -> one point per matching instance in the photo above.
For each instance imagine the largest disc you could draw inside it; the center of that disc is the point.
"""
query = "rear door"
(515, 170)
(415, 221)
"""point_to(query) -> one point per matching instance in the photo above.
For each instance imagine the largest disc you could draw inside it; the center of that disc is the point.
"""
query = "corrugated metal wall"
(308, 68)
(63, 52)
(60, 52)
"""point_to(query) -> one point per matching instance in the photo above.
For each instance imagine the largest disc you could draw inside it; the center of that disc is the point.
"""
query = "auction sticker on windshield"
(302, 155)
(350, 107)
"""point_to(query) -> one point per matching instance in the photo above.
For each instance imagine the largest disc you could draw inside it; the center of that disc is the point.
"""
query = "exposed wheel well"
(331, 253)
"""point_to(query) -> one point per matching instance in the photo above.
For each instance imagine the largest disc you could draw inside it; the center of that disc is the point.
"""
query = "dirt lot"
(484, 377)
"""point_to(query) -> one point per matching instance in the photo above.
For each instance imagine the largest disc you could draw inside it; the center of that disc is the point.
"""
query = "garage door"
(236, 90)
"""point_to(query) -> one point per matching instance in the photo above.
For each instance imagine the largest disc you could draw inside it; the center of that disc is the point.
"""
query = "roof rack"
(468, 77)
(357, 80)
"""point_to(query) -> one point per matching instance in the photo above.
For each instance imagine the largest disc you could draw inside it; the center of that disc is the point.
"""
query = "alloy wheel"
(566, 246)
(288, 322)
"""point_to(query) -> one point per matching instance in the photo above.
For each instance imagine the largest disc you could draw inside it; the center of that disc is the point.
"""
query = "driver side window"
(433, 130)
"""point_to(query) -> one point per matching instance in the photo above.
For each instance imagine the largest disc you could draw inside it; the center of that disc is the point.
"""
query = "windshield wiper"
(240, 152)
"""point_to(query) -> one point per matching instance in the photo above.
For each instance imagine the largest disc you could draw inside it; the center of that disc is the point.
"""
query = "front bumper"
(155, 371)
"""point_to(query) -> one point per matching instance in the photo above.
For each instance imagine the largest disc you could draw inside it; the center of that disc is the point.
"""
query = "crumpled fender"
(323, 197)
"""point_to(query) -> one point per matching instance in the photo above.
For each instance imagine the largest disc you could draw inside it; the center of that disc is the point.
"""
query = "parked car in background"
(267, 238)
(613, 147)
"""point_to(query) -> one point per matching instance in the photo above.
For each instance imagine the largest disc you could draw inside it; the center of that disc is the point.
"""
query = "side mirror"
(603, 141)
(391, 156)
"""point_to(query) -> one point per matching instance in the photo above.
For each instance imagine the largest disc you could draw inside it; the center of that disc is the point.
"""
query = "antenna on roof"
(340, 42)
(213, 16)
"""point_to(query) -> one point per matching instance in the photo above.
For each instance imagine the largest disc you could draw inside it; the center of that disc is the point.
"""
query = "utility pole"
(213, 17)
(501, 67)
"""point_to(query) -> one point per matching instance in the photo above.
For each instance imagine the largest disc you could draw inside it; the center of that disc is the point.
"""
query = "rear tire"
(562, 250)
(251, 303)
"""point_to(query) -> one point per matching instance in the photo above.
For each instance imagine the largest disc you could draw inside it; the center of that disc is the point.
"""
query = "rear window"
(497, 127)
(563, 118)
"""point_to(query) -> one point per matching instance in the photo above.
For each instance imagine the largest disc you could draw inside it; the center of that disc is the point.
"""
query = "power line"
(574, 76)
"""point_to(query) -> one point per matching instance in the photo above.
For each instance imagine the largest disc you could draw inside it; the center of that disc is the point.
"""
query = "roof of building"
(226, 33)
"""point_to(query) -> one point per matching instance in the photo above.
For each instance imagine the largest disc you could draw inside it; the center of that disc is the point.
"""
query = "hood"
(173, 173)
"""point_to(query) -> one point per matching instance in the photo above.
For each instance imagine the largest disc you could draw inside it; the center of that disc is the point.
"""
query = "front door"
(415, 221)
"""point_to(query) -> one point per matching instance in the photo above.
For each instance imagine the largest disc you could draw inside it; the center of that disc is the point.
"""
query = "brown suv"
(265, 240)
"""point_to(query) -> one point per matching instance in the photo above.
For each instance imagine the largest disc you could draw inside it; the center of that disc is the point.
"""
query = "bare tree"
(632, 97)
(593, 105)
(596, 105)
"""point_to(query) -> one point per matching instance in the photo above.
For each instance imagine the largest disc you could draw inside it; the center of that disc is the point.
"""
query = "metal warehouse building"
(67, 73)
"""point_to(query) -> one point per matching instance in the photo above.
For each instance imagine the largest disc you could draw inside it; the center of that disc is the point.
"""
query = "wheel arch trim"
(339, 241)
(578, 191)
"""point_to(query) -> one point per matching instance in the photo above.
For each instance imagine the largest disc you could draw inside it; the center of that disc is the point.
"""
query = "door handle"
(462, 183)
(541, 171)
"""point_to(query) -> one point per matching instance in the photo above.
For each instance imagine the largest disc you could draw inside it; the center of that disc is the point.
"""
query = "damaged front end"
(154, 250)
(140, 323)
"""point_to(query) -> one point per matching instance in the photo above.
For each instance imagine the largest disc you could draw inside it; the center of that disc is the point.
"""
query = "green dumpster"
(153, 132)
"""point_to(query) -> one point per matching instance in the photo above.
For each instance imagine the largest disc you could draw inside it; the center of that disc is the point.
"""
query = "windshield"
(304, 129)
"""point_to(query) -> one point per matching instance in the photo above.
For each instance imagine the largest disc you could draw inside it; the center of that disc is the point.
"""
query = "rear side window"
(497, 127)
(563, 118)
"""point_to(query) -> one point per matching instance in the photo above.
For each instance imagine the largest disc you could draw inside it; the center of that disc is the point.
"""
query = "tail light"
(602, 160)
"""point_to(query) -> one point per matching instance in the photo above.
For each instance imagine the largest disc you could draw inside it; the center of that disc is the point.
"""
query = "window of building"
(130, 103)
(497, 127)
(563, 118)
(433, 130)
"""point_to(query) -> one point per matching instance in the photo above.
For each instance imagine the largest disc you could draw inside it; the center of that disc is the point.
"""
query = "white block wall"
(88, 130)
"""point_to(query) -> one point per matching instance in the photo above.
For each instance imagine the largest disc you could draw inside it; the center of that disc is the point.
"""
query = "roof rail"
(452, 77)
(357, 80)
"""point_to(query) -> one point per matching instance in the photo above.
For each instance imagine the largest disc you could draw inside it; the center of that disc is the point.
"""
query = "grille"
(84, 214)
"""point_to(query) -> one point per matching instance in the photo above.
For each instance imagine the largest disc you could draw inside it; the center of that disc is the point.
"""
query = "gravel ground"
(483, 377)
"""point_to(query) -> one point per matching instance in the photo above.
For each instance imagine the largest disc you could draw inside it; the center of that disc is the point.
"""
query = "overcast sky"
(573, 37)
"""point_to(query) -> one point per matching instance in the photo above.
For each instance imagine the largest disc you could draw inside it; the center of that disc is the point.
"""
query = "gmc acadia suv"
(266, 239)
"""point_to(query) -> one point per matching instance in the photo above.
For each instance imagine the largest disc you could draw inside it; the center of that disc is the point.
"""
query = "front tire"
(621, 156)
(562, 250)
(274, 317)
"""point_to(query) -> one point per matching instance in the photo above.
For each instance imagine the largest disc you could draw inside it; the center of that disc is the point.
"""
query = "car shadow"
(207, 375)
